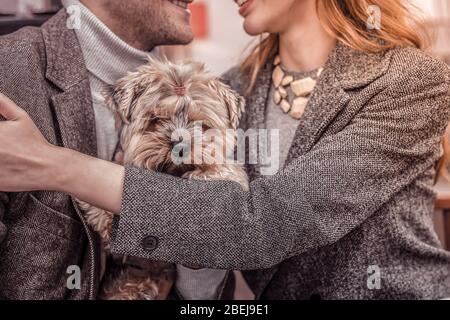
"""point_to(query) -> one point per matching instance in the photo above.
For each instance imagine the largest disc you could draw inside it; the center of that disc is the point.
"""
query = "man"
(56, 73)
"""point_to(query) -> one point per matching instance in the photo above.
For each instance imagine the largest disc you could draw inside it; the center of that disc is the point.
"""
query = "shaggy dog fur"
(158, 109)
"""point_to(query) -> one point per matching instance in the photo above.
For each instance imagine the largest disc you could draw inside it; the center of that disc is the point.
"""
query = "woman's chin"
(252, 29)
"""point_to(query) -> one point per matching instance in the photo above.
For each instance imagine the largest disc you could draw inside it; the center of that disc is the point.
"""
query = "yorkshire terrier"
(173, 118)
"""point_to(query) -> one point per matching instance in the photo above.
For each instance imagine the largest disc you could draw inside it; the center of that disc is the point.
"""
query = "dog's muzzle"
(180, 152)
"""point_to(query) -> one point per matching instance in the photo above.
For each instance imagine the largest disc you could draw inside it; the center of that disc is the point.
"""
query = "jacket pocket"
(54, 221)
(40, 245)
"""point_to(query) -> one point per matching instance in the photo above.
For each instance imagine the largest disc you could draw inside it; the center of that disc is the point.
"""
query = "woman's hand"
(29, 162)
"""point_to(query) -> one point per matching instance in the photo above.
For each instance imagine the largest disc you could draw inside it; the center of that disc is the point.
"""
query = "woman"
(350, 213)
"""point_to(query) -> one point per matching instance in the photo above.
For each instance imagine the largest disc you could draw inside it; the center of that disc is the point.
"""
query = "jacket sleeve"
(3, 202)
(315, 201)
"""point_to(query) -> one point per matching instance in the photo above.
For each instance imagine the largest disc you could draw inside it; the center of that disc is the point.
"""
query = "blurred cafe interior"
(220, 41)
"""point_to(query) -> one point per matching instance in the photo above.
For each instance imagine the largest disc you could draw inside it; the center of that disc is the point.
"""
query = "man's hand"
(25, 155)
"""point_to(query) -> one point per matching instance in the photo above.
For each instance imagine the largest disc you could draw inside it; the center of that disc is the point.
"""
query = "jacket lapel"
(72, 105)
(66, 70)
(255, 113)
(327, 99)
(257, 101)
(345, 70)
(76, 119)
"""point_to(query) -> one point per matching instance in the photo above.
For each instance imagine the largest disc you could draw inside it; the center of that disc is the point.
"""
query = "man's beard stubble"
(148, 24)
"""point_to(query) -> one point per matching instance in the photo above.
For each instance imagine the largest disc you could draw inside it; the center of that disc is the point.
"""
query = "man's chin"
(186, 40)
(181, 39)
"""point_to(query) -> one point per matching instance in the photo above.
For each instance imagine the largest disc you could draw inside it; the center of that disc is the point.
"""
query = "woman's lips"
(244, 6)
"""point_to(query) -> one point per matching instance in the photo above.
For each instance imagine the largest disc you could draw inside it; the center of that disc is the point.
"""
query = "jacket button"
(150, 243)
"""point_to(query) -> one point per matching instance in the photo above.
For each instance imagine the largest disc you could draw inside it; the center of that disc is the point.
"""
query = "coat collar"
(65, 62)
(345, 70)
(355, 69)
(66, 69)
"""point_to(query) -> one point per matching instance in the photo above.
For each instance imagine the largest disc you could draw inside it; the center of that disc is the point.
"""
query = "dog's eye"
(153, 121)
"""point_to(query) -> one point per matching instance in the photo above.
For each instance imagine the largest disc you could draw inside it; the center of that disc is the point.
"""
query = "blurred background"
(220, 40)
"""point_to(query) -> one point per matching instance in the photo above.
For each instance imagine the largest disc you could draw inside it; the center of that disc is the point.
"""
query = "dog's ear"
(122, 97)
(112, 103)
(234, 102)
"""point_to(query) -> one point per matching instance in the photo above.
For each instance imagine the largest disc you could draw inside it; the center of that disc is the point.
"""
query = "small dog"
(173, 118)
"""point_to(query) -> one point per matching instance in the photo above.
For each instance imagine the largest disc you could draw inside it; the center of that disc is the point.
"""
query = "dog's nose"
(180, 146)
(180, 150)
(174, 143)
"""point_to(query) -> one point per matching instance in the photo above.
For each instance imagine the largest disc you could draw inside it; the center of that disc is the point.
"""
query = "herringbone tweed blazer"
(353, 203)
(43, 233)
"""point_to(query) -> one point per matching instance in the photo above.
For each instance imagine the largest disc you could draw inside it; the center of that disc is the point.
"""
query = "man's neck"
(124, 33)
(107, 56)
(305, 45)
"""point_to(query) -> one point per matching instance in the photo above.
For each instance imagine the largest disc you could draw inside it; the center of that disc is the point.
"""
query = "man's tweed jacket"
(43, 233)
(353, 204)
